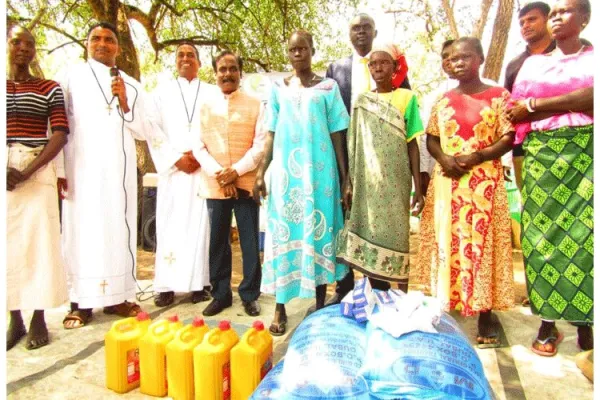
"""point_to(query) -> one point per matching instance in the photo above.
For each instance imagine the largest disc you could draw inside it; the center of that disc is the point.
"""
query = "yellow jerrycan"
(212, 367)
(180, 359)
(121, 352)
(251, 360)
(153, 359)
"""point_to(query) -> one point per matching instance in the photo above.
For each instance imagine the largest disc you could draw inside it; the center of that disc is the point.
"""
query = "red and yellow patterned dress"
(465, 246)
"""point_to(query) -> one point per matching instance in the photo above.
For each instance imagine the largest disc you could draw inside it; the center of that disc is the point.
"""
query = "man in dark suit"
(362, 34)
(353, 77)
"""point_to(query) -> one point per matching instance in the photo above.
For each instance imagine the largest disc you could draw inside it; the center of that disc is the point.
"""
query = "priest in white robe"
(182, 224)
(100, 210)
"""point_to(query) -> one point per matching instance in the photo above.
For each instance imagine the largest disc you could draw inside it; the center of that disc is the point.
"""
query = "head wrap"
(397, 54)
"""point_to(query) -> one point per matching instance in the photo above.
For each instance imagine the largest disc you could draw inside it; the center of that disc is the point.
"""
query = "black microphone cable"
(141, 292)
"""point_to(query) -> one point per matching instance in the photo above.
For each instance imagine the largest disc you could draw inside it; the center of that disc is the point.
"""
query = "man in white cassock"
(182, 224)
(100, 209)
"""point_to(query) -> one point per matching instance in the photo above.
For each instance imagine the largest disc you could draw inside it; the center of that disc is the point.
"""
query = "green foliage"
(256, 29)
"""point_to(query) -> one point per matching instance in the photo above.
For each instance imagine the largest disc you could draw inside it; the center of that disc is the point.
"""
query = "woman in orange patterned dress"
(465, 246)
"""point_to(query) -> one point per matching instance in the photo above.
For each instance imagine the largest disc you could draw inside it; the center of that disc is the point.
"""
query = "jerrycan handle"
(123, 325)
(184, 334)
(212, 337)
(160, 328)
(257, 327)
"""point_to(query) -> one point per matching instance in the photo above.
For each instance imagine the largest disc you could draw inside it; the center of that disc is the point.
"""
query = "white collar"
(356, 56)
(97, 64)
(182, 79)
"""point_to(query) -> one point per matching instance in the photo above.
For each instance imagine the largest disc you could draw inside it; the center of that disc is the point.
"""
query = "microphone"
(114, 71)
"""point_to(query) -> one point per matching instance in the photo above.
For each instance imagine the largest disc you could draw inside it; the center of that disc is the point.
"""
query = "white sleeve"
(136, 119)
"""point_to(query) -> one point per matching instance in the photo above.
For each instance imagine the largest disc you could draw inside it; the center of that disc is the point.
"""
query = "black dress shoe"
(200, 295)
(252, 308)
(164, 299)
(216, 307)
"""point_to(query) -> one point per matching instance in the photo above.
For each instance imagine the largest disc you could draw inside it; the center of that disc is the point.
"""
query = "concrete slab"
(72, 366)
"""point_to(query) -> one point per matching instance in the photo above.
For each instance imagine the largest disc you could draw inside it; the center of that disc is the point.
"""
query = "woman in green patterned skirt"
(553, 109)
(383, 162)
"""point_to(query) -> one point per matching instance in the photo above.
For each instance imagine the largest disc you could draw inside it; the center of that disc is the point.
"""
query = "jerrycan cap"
(258, 325)
(173, 318)
(198, 322)
(143, 316)
(224, 325)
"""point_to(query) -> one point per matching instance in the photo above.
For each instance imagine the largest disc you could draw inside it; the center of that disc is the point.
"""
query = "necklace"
(189, 118)
(108, 103)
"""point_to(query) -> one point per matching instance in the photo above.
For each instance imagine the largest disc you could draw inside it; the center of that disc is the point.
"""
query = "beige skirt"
(35, 275)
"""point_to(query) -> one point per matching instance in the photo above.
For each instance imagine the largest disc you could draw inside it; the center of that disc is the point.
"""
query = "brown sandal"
(125, 309)
(549, 346)
(82, 316)
(278, 328)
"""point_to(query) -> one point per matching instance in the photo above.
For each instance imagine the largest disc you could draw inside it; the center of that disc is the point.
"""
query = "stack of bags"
(393, 311)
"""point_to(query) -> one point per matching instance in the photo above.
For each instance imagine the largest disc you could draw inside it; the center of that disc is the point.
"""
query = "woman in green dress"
(553, 112)
(383, 162)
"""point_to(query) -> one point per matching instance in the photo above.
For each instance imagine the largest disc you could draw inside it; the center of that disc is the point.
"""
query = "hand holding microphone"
(118, 89)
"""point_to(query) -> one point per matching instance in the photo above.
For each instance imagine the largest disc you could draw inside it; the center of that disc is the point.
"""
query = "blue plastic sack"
(322, 361)
(422, 365)
(334, 357)
(270, 387)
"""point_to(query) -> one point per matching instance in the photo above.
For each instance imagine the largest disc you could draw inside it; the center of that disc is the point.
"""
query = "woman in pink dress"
(553, 106)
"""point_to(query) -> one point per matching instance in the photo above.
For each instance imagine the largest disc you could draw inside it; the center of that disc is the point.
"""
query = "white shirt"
(358, 75)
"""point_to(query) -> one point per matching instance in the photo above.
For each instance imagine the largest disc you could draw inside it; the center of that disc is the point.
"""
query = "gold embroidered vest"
(227, 138)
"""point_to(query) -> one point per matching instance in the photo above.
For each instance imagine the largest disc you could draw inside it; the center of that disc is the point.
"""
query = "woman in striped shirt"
(35, 276)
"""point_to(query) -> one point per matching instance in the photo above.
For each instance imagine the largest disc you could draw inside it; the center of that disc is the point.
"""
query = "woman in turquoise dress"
(304, 148)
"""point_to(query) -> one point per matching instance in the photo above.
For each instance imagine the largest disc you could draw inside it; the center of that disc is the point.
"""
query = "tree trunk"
(495, 56)
(111, 11)
(485, 9)
(449, 11)
(128, 62)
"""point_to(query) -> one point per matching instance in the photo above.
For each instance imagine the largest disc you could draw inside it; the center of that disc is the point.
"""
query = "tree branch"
(261, 64)
(212, 10)
(197, 40)
(485, 10)
(148, 24)
(60, 47)
(36, 18)
(64, 33)
(449, 10)
(71, 7)
(98, 9)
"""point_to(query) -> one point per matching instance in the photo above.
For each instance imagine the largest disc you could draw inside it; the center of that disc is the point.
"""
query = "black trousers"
(246, 215)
